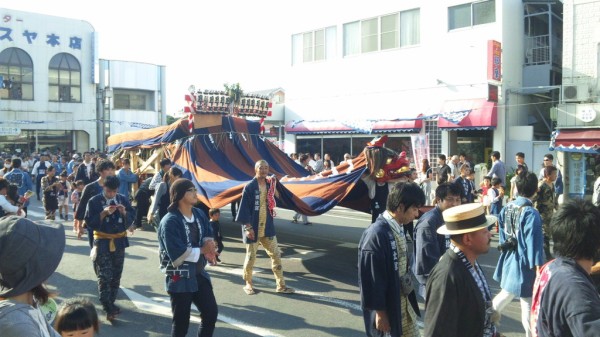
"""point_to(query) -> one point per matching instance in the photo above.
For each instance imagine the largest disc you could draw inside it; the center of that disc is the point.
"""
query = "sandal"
(294, 221)
(249, 291)
(286, 290)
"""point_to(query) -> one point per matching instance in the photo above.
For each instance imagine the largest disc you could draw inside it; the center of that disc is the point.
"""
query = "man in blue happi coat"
(522, 249)
(256, 216)
(428, 245)
(386, 294)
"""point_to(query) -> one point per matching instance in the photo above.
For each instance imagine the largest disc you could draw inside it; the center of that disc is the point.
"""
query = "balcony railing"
(537, 50)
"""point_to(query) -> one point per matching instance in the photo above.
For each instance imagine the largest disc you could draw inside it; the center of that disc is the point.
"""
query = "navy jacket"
(428, 245)
(174, 247)
(112, 224)
(248, 211)
(455, 306)
(569, 304)
(378, 280)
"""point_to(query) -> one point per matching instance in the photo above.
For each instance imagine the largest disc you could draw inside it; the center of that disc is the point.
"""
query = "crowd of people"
(449, 238)
(446, 242)
(100, 191)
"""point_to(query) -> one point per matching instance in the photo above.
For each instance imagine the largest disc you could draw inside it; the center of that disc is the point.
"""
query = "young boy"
(49, 185)
(215, 214)
(496, 196)
(63, 196)
(76, 196)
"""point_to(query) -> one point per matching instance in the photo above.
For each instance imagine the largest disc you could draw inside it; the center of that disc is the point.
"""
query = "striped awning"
(576, 140)
(470, 114)
(353, 127)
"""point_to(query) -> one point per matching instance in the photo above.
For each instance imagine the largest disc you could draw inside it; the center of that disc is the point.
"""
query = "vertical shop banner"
(494, 61)
(420, 146)
(576, 175)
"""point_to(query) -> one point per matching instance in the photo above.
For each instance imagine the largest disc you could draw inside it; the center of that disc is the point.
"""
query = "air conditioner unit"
(575, 93)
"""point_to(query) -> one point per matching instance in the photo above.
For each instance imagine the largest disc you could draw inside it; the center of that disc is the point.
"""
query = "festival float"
(216, 147)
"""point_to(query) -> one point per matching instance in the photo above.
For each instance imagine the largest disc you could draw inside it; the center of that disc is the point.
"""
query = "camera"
(509, 245)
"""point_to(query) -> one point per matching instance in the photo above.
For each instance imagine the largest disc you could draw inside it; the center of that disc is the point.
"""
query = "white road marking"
(32, 213)
(302, 255)
(269, 283)
(161, 306)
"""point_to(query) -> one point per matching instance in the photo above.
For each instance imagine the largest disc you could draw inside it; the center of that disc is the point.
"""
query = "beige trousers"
(272, 249)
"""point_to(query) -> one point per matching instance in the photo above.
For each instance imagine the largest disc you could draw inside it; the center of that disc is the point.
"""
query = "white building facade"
(419, 67)
(131, 96)
(53, 88)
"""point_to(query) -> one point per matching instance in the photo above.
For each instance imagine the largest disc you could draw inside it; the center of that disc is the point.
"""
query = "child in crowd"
(76, 196)
(77, 317)
(50, 186)
(496, 196)
(63, 196)
(215, 214)
(73, 175)
(485, 185)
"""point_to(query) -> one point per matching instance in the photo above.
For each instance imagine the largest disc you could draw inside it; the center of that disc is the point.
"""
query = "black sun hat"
(29, 253)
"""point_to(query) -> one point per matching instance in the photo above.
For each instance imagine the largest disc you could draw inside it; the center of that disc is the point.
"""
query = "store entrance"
(474, 144)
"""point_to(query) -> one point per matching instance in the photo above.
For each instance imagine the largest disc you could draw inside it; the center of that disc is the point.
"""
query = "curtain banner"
(420, 145)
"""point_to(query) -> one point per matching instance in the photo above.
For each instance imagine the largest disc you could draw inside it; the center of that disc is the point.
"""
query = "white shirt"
(7, 206)
(37, 165)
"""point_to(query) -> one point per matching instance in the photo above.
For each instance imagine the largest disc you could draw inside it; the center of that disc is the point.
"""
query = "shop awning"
(579, 140)
(354, 127)
(470, 114)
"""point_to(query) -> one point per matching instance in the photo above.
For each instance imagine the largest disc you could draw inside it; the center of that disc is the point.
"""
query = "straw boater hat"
(465, 219)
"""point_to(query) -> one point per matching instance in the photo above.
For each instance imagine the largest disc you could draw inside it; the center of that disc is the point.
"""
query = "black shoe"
(61, 216)
(218, 260)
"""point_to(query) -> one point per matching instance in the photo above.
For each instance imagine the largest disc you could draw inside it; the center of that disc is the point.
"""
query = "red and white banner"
(420, 146)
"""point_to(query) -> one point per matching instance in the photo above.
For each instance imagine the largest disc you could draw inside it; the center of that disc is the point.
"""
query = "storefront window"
(336, 148)
(581, 173)
(358, 144)
(308, 145)
(473, 143)
(25, 142)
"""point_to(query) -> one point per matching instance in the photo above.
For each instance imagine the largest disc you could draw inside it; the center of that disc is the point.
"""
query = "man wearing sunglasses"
(558, 184)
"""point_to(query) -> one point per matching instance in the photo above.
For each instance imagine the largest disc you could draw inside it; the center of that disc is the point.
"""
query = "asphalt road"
(319, 261)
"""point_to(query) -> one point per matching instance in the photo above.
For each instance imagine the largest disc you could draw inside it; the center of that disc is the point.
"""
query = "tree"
(235, 92)
(171, 119)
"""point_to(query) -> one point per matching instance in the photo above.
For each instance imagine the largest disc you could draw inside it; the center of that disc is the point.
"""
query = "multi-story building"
(577, 138)
(131, 95)
(53, 90)
(475, 76)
